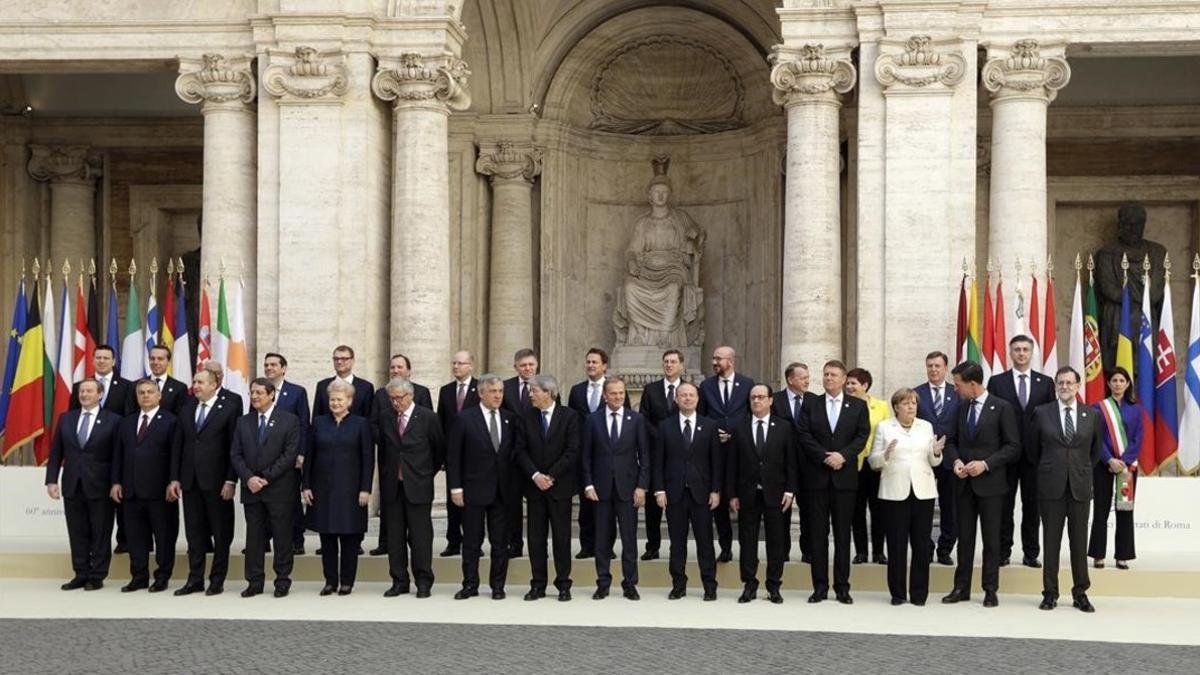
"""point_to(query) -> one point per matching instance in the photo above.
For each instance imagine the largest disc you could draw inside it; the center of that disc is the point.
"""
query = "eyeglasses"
(343, 358)
(758, 397)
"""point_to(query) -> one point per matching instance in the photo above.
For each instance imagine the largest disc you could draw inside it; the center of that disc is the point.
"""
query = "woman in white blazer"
(905, 452)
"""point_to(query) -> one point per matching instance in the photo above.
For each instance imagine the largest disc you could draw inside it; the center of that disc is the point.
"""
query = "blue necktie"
(973, 418)
(85, 429)
(687, 431)
(202, 417)
(614, 434)
(545, 423)
(939, 402)
(262, 429)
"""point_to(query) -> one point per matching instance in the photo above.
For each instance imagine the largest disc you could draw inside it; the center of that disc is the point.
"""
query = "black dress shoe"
(1031, 562)
(281, 592)
(676, 593)
(844, 598)
(328, 589)
(710, 594)
(73, 584)
(896, 602)
(775, 597)
(817, 596)
(188, 589)
(919, 603)
(465, 593)
(516, 551)
(726, 556)
(1083, 604)
(134, 586)
(1121, 565)
(251, 592)
(93, 585)
(214, 590)
(945, 559)
(859, 559)
(499, 595)
(379, 550)
(396, 589)
(564, 596)
(298, 550)
(158, 586)
(631, 593)
(585, 554)
(600, 594)
(423, 593)
(450, 551)
(879, 559)
(1048, 602)
(1004, 562)
(345, 590)
(956, 595)
(747, 595)
(990, 599)
(535, 594)
(650, 554)
(122, 548)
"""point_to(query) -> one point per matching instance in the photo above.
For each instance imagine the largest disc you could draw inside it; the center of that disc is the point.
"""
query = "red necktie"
(142, 427)
(400, 430)
(462, 395)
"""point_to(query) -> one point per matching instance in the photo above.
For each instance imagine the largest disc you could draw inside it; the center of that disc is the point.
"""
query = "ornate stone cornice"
(417, 80)
(215, 81)
(1024, 73)
(809, 75)
(63, 163)
(920, 66)
(511, 162)
(311, 76)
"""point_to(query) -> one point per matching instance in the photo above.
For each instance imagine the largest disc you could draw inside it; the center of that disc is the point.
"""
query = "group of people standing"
(517, 459)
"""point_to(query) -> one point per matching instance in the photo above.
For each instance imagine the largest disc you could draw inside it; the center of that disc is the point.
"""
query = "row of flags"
(51, 350)
(1148, 353)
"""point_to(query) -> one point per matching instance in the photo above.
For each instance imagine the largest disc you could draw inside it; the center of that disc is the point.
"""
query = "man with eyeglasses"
(343, 368)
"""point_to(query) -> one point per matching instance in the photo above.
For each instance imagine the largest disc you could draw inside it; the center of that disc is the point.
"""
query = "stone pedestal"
(71, 172)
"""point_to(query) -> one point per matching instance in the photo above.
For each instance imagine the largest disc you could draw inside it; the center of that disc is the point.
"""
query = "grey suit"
(1064, 481)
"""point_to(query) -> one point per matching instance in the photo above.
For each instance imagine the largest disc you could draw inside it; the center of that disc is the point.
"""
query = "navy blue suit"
(947, 522)
(687, 473)
(85, 482)
(725, 414)
(364, 395)
(293, 398)
(781, 406)
(577, 400)
(615, 470)
(269, 512)
(143, 468)
(1023, 473)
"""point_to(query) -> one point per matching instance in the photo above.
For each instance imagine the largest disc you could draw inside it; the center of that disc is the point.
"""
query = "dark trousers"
(89, 531)
(622, 513)
(681, 515)
(829, 507)
(298, 513)
(339, 558)
(1103, 482)
(149, 520)
(269, 521)
(774, 520)
(515, 519)
(909, 523)
(985, 512)
(473, 518)
(803, 528)
(454, 522)
(947, 508)
(410, 528)
(867, 497)
(552, 517)
(1022, 476)
(587, 526)
(1075, 514)
(208, 524)
(724, 526)
(653, 517)
(122, 538)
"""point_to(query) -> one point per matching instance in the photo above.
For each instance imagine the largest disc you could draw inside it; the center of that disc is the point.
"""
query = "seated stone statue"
(1131, 242)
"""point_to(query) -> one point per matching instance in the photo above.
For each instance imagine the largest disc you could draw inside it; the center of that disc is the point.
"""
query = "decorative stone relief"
(215, 80)
(667, 85)
(63, 163)
(510, 162)
(1025, 72)
(417, 80)
(311, 76)
(809, 73)
(920, 65)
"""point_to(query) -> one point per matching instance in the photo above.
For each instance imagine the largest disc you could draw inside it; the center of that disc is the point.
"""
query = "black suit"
(489, 480)
(759, 475)
(1022, 475)
(725, 413)
(447, 412)
(615, 469)
(271, 456)
(927, 410)
(781, 406)
(407, 466)
(293, 398)
(381, 408)
(117, 398)
(656, 406)
(174, 393)
(828, 494)
(1065, 487)
(200, 462)
(687, 473)
(578, 400)
(85, 483)
(554, 452)
(142, 466)
(980, 499)
(364, 394)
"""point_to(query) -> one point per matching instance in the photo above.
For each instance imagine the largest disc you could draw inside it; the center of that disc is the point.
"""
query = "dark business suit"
(980, 499)
(270, 455)
(615, 468)
(725, 413)
(1064, 467)
(1023, 473)
(947, 525)
(174, 393)
(142, 466)
(381, 408)
(551, 450)
(781, 406)
(447, 412)
(656, 406)
(516, 401)
(340, 466)
(687, 472)
(407, 466)
(758, 475)
(579, 401)
(828, 494)
(364, 395)
(117, 398)
(293, 398)
(490, 481)
(200, 462)
(85, 483)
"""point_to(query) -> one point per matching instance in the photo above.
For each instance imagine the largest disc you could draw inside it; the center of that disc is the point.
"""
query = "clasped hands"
(971, 469)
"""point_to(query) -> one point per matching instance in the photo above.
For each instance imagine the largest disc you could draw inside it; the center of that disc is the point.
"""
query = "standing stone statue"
(661, 303)
(1131, 242)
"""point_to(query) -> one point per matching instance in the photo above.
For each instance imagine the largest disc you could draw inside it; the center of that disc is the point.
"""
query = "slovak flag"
(1166, 404)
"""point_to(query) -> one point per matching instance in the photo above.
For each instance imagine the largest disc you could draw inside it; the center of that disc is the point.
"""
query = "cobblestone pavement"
(237, 646)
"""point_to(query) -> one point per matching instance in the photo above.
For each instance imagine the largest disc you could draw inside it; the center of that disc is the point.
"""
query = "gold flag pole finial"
(221, 269)
(991, 266)
(1078, 263)
(22, 268)
(179, 268)
(1146, 268)
(964, 265)
(66, 270)
(92, 268)
(132, 269)
(1167, 267)
(1195, 266)
(170, 267)
(1033, 266)
(1049, 267)
(112, 272)
(153, 268)
(1124, 269)
(1091, 266)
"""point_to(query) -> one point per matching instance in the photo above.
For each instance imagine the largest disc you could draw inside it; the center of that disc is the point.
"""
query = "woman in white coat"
(905, 452)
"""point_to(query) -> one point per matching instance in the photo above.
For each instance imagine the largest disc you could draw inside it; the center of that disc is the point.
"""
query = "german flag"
(27, 404)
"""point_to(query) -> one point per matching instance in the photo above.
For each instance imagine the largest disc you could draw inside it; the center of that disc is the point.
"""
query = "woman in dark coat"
(337, 486)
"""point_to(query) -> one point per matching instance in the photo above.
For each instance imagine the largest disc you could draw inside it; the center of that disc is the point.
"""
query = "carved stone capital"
(809, 75)
(216, 81)
(63, 164)
(419, 81)
(309, 77)
(1024, 72)
(511, 162)
(920, 66)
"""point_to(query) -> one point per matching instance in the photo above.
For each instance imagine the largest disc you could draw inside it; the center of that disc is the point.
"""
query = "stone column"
(225, 89)
(1023, 82)
(510, 304)
(809, 84)
(72, 172)
(423, 90)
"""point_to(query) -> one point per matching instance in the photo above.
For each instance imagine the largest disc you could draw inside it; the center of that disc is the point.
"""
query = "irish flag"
(133, 344)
